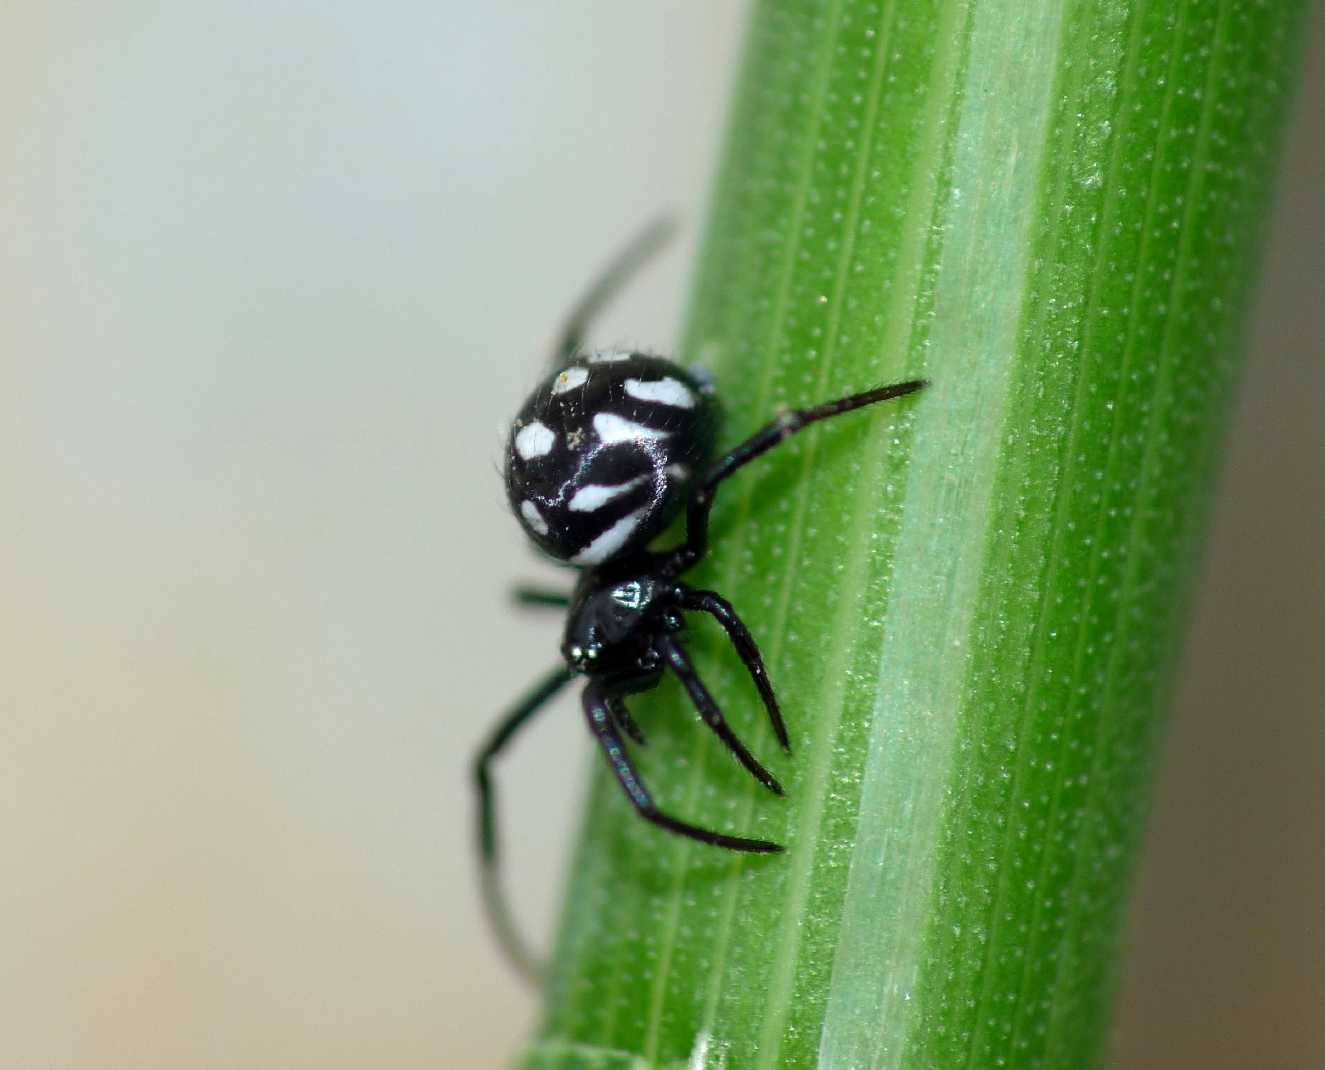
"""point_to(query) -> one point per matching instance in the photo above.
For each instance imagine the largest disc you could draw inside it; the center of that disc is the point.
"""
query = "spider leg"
(747, 650)
(712, 715)
(599, 713)
(625, 721)
(493, 899)
(628, 261)
(778, 430)
(526, 594)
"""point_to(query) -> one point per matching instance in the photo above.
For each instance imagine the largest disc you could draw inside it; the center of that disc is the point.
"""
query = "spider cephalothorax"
(604, 454)
(612, 624)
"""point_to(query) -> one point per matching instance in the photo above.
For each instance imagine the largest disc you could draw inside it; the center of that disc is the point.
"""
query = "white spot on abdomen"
(534, 440)
(613, 428)
(594, 496)
(533, 517)
(610, 541)
(665, 391)
(569, 380)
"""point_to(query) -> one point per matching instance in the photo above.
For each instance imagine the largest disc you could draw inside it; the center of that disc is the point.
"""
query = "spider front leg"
(527, 594)
(680, 664)
(625, 721)
(597, 708)
(763, 440)
(747, 650)
(494, 900)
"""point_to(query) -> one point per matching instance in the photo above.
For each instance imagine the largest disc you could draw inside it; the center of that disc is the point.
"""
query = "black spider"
(603, 455)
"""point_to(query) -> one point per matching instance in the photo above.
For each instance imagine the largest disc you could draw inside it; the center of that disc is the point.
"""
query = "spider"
(608, 449)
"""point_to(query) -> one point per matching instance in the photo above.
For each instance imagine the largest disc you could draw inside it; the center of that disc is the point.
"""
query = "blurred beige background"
(274, 277)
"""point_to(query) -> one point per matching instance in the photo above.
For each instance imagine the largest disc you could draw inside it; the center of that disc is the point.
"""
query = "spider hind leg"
(776, 431)
(626, 263)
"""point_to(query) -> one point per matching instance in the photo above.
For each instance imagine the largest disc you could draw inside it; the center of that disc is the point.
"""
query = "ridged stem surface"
(969, 600)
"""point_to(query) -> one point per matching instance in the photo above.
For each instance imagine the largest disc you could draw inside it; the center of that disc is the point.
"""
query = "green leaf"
(969, 599)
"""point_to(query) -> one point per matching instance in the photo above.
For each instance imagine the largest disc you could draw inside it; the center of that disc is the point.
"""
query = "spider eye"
(582, 657)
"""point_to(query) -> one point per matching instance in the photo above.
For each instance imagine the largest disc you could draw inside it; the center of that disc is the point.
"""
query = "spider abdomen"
(599, 458)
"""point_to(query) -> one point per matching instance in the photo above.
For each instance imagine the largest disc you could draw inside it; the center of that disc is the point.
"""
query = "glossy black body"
(608, 448)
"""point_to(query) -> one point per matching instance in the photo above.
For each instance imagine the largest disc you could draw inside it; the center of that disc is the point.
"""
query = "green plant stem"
(969, 601)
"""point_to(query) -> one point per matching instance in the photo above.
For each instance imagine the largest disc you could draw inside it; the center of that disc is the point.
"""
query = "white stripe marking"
(610, 541)
(570, 379)
(533, 517)
(534, 440)
(612, 428)
(594, 496)
(666, 391)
